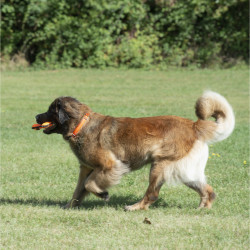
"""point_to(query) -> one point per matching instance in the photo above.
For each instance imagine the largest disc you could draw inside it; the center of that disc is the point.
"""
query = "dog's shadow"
(116, 202)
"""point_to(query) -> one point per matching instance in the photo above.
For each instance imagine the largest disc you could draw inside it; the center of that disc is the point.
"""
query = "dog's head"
(63, 113)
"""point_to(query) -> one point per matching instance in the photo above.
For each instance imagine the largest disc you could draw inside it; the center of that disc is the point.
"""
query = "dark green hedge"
(131, 33)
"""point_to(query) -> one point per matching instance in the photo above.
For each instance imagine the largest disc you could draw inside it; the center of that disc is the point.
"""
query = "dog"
(108, 147)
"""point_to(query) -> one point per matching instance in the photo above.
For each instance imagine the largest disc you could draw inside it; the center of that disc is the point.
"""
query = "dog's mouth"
(49, 129)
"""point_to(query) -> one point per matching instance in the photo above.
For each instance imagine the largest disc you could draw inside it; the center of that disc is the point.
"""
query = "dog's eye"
(51, 113)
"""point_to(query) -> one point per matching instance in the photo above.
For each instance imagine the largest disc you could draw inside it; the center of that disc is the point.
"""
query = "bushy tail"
(212, 104)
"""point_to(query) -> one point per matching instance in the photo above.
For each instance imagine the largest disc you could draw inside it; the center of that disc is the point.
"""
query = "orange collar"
(80, 125)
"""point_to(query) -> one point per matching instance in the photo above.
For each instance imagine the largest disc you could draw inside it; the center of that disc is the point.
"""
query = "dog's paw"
(104, 196)
(131, 208)
(66, 206)
(72, 204)
(127, 208)
(136, 206)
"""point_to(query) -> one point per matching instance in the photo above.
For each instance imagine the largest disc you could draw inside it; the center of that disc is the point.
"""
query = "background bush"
(130, 33)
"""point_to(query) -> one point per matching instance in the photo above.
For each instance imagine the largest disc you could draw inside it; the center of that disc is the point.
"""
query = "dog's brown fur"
(108, 147)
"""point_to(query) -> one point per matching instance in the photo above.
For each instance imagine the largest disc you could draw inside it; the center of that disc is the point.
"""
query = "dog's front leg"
(97, 183)
(80, 191)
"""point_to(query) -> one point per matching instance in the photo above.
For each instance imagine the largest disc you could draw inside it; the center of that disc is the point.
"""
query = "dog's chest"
(81, 152)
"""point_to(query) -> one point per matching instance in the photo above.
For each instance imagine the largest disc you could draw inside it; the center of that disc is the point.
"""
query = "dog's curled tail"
(212, 104)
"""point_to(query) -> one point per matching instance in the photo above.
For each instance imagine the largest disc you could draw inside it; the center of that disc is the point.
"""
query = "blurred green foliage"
(125, 33)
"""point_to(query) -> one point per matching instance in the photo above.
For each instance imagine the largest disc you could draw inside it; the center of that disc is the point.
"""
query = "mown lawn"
(39, 172)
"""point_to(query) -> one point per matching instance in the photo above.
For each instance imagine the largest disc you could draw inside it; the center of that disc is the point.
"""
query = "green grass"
(39, 172)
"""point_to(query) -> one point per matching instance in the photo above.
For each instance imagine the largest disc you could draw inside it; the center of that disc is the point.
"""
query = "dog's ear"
(63, 116)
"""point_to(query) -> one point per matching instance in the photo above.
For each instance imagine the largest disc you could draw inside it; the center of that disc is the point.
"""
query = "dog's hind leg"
(80, 191)
(205, 191)
(156, 180)
(193, 174)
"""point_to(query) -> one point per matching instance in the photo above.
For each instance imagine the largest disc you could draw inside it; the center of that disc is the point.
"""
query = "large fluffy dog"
(109, 147)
